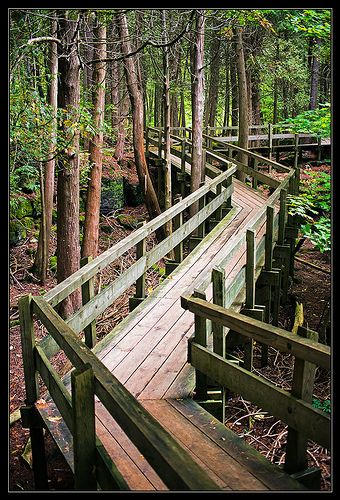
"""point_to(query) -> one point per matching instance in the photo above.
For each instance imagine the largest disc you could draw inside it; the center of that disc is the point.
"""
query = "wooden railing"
(295, 407)
(91, 462)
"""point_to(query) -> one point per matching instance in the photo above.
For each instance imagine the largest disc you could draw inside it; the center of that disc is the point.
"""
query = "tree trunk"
(151, 200)
(315, 76)
(41, 258)
(68, 250)
(243, 103)
(197, 169)
(91, 226)
(121, 130)
(234, 96)
(227, 95)
(166, 114)
(88, 69)
(211, 106)
(175, 64)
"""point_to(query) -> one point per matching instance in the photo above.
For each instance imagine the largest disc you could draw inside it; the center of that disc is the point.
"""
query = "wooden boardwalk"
(144, 409)
(147, 352)
(264, 137)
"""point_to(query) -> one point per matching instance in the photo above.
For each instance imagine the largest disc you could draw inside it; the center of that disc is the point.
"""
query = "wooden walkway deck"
(264, 137)
(147, 352)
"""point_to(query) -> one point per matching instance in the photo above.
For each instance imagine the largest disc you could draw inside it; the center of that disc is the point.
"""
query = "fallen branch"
(312, 265)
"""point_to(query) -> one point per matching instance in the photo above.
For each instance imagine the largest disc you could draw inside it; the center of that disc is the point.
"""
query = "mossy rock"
(18, 229)
(24, 209)
(112, 195)
(128, 221)
(133, 193)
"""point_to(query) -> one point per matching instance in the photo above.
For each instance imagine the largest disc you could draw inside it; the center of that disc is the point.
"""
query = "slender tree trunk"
(227, 95)
(175, 64)
(88, 69)
(41, 259)
(121, 130)
(68, 249)
(91, 226)
(234, 96)
(285, 98)
(211, 103)
(315, 76)
(115, 99)
(166, 114)
(197, 168)
(243, 103)
(151, 200)
(182, 111)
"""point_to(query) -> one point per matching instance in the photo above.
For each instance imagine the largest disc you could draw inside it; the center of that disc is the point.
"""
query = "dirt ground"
(311, 287)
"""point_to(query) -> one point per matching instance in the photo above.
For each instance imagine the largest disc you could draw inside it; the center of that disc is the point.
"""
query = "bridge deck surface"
(147, 352)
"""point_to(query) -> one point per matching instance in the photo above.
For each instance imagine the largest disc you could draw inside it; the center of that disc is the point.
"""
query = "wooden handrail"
(173, 464)
(282, 340)
(63, 289)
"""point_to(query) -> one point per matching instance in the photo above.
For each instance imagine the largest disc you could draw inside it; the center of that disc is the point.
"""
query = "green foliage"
(313, 23)
(316, 121)
(322, 405)
(313, 207)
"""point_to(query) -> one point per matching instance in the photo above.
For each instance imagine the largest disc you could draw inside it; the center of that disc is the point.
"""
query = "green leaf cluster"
(317, 121)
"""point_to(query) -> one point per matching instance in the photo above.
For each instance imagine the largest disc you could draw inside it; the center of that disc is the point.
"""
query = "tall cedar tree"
(243, 127)
(91, 226)
(68, 248)
(135, 93)
(197, 169)
(41, 258)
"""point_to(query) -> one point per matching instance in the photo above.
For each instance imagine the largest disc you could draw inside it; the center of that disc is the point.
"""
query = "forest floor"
(311, 287)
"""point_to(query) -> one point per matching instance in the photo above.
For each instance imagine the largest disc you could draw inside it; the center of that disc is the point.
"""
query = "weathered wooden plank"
(282, 340)
(280, 403)
(272, 476)
(55, 386)
(212, 457)
(173, 464)
(108, 476)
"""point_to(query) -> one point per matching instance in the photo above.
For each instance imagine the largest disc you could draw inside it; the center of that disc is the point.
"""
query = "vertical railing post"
(319, 147)
(140, 282)
(201, 335)
(270, 143)
(84, 434)
(282, 216)
(87, 292)
(160, 155)
(218, 331)
(204, 161)
(147, 139)
(183, 145)
(201, 205)
(32, 392)
(255, 167)
(250, 293)
(302, 388)
(296, 150)
(178, 221)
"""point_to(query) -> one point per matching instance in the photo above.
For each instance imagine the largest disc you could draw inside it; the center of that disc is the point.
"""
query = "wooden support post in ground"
(302, 387)
(270, 143)
(147, 139)
(296, 150)
(255, 167)
(140, 283)
(319, 148)
(170, 266)
(250, 292)
(183, 145)
(199, 234)
(201, 339)
(160, 148)
(282, 216)
(87, 292)
(84, 434)
(218, 331)
(32, 392)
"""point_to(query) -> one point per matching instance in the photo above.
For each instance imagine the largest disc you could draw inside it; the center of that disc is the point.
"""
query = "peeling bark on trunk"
(91, 226)
(227, 95)
(234, 95)
(88, 69)
(135, 93)
(243, 103)
(197, 170)
(42, 255)
(68, 249)
(122, 117)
